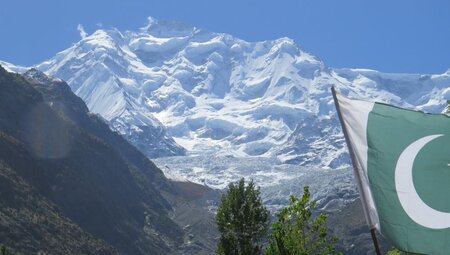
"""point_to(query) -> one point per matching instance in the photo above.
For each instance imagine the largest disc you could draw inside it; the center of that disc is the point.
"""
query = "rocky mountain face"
(68, 183)
(170, 87)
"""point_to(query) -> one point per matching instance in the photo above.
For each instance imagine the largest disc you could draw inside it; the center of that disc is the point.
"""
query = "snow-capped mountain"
(107, 76)
(212, 92)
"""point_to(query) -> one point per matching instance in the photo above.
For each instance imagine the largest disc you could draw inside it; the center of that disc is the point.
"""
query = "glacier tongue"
(171, 88)
(331, 188)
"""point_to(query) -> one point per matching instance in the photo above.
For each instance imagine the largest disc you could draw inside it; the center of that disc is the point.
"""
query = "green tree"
(394, 251)
(4, 250)
(297, 232)
(242, 220)
(447, 109)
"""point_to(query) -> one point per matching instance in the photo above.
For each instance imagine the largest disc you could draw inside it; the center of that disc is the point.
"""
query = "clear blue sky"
(386, 35)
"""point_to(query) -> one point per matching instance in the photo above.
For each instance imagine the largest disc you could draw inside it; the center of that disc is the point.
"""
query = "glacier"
(331, 188)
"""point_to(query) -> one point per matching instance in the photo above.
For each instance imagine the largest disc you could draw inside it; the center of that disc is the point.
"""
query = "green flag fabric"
(402, 165)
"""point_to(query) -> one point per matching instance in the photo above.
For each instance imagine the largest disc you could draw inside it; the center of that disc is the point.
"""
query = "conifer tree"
(242, 220)
(4, 250)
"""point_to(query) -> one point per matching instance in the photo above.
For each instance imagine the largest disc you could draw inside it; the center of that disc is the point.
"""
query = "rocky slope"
(71, 185)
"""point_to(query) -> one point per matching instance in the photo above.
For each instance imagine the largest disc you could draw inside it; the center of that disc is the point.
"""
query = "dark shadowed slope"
(71, 184)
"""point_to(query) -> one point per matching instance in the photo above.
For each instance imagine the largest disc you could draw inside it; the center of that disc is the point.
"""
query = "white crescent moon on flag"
(413, 205)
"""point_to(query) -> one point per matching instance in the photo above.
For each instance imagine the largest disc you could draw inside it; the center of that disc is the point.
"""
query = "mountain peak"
(103, 38)
(12, 68)
(40, 77)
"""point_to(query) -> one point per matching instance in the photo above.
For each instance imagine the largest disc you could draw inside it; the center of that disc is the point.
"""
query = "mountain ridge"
(212, 92)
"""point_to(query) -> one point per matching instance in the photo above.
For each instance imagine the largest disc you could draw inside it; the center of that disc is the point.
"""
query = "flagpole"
(355, 168)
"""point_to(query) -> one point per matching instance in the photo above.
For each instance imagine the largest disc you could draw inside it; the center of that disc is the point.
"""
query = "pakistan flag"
(402, 165)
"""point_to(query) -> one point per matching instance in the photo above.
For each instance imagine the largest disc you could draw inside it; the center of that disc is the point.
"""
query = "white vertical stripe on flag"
(355, 115)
